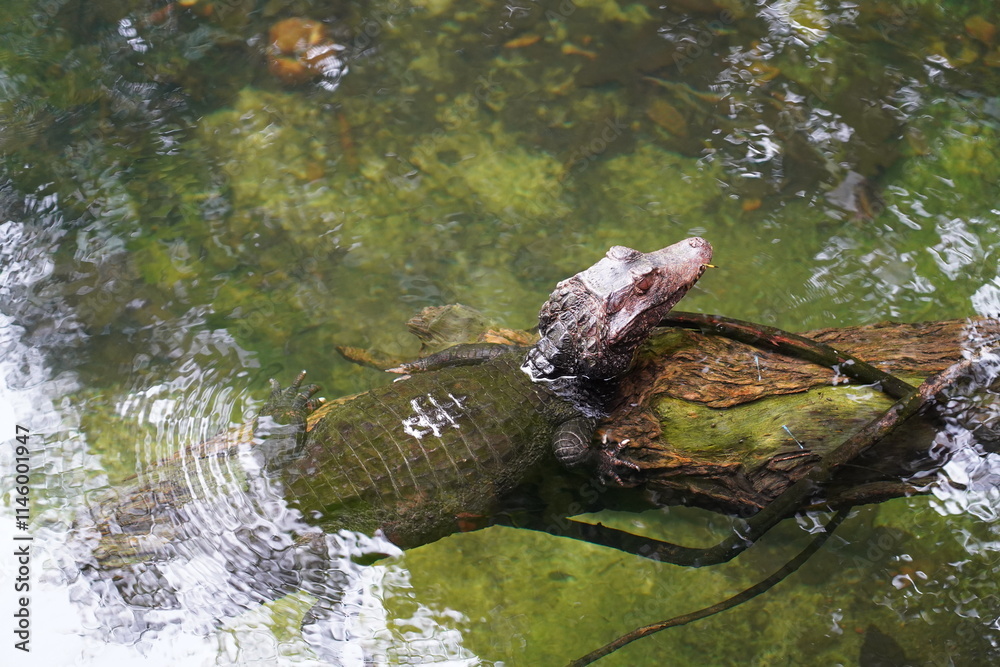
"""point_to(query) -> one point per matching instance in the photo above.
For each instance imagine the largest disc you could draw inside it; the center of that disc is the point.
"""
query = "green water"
(179, 224)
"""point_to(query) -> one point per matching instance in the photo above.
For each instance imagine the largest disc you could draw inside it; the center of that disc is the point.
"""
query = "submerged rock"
(300, 50)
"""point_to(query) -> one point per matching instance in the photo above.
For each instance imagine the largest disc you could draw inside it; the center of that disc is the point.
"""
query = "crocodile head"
(593, 323)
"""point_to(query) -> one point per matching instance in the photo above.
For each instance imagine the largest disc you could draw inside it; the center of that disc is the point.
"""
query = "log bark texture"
(727, 426)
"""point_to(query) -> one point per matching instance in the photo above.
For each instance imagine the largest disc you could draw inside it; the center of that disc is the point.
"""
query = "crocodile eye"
(620, 253)
(642, 282)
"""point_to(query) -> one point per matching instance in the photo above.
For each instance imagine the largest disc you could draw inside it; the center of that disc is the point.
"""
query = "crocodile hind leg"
(571, 444)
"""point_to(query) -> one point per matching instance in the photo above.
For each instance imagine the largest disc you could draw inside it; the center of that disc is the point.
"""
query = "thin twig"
(748, 594)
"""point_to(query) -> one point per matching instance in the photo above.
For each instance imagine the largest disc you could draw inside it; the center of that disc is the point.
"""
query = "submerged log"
(724, 425)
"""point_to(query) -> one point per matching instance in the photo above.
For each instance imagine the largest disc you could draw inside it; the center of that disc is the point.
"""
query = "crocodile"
(408, 460)
(468, 423)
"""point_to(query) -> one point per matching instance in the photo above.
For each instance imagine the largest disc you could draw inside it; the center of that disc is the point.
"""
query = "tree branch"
(738, 599)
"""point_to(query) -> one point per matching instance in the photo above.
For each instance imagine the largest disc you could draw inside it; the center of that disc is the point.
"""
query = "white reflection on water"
(958, 249)
(199, 600)
(223, 544)
(986, 300)
(969, 480)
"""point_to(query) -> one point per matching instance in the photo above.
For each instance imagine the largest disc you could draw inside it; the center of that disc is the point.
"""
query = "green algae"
(764, 428)
(300, 194)
(354, 222)
(607, 594)
(467, 171)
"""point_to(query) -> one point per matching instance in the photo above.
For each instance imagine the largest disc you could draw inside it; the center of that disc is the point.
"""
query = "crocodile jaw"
(658, 281)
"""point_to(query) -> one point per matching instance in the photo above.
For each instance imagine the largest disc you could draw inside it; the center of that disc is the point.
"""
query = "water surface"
(184, 216)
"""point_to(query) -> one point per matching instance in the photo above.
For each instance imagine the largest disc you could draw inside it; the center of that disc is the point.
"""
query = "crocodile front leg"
(465, 354)
(571, 444)
(281, 424)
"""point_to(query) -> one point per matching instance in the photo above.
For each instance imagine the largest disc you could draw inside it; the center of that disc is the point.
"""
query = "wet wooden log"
(724, 425)
(729, 426)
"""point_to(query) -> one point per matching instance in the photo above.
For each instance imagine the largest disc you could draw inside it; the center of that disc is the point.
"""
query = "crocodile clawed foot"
(291, 405)
(281, 424)
(314, 404)
(608, 461)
